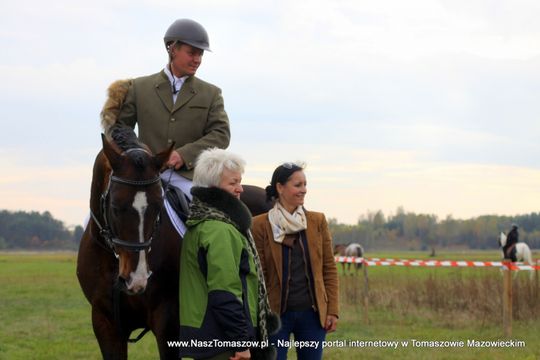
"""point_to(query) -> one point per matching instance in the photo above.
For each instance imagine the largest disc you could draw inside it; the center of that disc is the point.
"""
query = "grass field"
(43, 314)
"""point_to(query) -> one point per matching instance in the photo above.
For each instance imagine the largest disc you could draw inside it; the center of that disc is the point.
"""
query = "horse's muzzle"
(135, 285)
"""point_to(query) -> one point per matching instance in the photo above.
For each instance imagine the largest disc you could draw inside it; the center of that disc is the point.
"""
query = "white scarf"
(283, 222)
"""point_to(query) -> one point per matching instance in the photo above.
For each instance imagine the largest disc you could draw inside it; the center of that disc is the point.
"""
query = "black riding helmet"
(189, 32)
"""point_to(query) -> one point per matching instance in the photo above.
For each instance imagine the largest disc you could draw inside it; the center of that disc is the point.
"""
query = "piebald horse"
(351, 250)
(523, 252)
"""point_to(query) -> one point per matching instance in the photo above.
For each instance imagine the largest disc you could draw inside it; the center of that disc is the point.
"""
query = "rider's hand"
(175, 160)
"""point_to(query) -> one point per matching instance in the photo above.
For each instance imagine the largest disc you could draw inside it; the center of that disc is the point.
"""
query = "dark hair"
(281, 175)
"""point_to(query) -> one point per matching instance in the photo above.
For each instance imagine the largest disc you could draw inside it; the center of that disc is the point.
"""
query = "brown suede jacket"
(323, 266)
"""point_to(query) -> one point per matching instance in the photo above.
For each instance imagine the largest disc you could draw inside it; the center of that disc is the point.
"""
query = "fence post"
(366, 293)
(507, 298)
(536, 268)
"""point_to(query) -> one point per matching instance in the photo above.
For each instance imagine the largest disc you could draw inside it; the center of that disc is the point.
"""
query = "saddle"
(178, 201)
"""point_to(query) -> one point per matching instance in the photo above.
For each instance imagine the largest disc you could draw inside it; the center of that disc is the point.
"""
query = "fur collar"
(116, 95)
(226, 203)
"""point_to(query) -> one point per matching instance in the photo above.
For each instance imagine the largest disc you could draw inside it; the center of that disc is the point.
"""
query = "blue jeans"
(308, 335)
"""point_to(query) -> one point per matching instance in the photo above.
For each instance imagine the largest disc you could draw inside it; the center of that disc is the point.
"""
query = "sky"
(432, 106)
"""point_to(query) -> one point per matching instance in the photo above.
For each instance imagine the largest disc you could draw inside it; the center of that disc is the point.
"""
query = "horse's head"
(339, 249)
(131, 208)
(502, 239)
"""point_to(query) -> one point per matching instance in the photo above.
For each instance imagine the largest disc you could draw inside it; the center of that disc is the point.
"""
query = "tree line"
(410, 231)
(374, 231)
(36, 231)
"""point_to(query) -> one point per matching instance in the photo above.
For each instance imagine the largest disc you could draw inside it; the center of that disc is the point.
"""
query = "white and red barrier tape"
(433, 263)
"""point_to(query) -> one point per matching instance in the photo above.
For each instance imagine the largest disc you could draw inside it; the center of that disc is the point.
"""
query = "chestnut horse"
(128, 260)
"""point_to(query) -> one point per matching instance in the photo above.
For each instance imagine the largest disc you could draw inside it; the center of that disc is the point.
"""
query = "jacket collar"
(312, 238)
(226, 203)
(164, 91)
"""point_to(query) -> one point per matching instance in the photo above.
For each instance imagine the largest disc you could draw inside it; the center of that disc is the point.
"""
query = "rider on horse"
(512, 239)
(174, 106)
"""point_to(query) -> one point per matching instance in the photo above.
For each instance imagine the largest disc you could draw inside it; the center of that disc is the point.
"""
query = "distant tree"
(407, 230)
(32, 230)
(77, 234)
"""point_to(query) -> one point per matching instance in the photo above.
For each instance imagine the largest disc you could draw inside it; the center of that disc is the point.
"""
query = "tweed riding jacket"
(195, 122)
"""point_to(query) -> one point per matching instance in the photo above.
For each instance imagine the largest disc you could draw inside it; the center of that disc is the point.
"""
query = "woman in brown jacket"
(295, 248)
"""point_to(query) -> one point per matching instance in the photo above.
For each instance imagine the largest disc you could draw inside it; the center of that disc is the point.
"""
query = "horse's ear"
(162, 157)
(111, 151)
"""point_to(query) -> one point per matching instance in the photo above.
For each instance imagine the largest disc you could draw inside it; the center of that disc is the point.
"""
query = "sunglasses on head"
(290, 165)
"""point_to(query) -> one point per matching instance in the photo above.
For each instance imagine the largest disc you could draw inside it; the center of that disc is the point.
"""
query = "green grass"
(428, 327)
(44, 315)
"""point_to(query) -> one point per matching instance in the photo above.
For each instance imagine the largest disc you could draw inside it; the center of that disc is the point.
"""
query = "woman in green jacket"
(224, 311)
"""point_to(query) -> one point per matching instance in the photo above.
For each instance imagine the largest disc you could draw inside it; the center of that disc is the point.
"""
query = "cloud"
(63, 190)
(358, 180)
(442, 189)
(429, 105)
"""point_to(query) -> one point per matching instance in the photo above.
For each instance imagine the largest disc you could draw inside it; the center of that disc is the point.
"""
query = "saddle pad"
(178, 224)
(177, 206)
(178, 201)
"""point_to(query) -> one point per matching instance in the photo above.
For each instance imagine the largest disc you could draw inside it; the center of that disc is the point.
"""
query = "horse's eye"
(119, 209)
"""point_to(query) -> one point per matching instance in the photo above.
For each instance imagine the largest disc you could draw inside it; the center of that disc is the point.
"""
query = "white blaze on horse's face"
(138, 279)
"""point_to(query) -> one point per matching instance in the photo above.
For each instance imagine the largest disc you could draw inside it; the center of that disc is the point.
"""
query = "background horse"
(339, 250)
(128, 286)
(523, 252)
(352, 250)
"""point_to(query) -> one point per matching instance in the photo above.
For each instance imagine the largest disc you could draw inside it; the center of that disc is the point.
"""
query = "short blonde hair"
(210, 165)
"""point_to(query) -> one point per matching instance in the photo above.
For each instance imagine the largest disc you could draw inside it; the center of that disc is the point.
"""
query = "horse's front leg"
(112, 344)
(166, 328)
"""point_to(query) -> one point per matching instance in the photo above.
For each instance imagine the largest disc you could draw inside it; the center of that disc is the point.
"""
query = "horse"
(128, 286)
(350, 250)
(254, 198)
(523, 252)
(129, 254)
(339, 250)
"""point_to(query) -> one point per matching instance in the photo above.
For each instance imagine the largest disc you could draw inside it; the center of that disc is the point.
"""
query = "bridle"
(111, 240)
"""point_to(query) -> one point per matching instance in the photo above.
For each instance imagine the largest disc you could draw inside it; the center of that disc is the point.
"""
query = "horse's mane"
(126, 139)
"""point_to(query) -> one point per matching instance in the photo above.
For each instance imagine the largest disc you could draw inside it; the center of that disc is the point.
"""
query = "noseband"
(105, 230)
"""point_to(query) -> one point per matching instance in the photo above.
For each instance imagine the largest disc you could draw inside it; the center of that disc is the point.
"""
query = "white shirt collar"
(177, 81)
